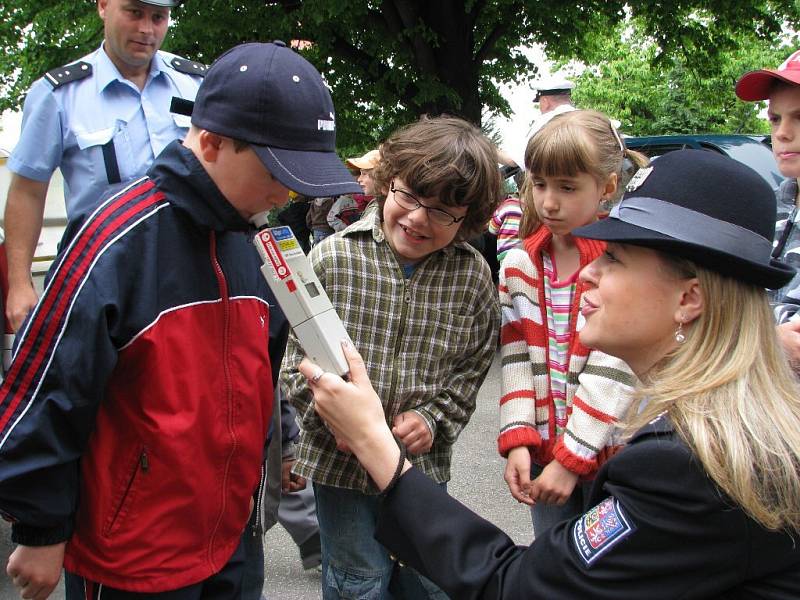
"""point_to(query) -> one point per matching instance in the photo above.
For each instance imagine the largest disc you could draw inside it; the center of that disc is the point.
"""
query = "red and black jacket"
(134, 416)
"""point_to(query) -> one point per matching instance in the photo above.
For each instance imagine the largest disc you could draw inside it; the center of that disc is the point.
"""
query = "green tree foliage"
(388, 61)
(652, 93)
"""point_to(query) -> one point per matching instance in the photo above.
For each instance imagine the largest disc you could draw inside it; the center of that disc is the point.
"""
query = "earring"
(679, 336)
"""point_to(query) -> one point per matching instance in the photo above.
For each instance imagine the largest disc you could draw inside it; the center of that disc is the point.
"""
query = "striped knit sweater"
(599, 386)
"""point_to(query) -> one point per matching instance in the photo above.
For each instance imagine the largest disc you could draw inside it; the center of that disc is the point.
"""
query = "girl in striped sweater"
(560, 400)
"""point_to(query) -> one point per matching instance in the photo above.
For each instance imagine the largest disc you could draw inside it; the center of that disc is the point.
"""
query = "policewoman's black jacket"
(658, 528)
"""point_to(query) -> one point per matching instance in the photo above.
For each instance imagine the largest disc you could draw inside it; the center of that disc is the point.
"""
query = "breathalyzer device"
(300, 295)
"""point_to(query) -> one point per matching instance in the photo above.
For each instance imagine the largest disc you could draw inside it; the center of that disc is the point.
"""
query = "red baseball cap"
(756, 85)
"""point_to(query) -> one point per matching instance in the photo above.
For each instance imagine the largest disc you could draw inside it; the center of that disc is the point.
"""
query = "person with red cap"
(781, 87)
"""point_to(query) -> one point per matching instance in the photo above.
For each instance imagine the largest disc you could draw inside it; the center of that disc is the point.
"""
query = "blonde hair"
(731, 395)
(579, 141)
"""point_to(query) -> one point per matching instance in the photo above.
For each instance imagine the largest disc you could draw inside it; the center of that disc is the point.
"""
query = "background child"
(781, 87)
(560, 401)
(505, 225)
(421, 308)
(363, 166)
(317, 218)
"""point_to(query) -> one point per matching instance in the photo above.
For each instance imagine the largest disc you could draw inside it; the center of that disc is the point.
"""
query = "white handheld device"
(301, 296)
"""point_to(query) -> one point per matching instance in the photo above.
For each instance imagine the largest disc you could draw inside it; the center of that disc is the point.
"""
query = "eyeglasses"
(410, 202)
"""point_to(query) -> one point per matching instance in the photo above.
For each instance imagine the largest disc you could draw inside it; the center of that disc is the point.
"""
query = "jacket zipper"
(142, 465)
(223, 290)
(258, 525)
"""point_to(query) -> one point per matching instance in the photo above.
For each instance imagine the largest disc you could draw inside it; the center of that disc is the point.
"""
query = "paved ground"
(477, 482)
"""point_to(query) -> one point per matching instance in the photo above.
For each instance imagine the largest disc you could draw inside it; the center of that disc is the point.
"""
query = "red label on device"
(275, 257)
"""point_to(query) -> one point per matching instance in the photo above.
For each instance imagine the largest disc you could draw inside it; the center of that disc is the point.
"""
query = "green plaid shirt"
(427, 343)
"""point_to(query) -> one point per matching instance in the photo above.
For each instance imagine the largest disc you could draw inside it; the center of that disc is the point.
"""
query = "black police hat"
(703, 206)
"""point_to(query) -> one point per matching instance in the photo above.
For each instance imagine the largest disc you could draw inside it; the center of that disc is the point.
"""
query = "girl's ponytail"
(579, 141)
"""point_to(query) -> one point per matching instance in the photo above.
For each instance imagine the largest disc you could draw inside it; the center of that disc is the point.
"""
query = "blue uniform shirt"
(67, 127)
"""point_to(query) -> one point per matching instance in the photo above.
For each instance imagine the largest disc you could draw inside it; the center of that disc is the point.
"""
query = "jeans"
(354, 565)
(253, 570)
(319, 235)
(546, 515)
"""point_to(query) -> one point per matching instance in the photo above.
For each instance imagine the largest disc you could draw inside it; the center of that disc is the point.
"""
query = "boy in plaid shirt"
(420, 307)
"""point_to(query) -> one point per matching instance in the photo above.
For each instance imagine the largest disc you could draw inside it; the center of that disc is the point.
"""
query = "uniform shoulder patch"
(68, 74)
(597, 530)
(190, 67)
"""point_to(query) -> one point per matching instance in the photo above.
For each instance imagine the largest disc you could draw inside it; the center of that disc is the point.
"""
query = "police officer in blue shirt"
(101, 120)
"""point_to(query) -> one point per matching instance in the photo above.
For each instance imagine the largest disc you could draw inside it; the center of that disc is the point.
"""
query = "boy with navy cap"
(781, 87)
(134, 416)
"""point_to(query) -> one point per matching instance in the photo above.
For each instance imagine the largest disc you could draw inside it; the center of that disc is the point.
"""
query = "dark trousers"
(224, 585)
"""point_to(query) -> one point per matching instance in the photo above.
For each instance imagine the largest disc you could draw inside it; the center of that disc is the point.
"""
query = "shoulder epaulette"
(190, 67)
(68, 74)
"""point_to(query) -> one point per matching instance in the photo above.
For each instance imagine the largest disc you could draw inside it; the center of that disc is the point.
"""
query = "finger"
(415, 447)
(409, 438)
(525, 479)
(37, 592)
(308, 369)
(521, 496)
(535, 491)
(513, 486)
(358, 371)
(316, 376)
(28, 590)
(401, 431)
(292, 487)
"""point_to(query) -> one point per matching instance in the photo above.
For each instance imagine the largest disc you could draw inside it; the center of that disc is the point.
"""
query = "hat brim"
(162, 3)
(756, 85)
(772, 276)
(310, 173)
(357, 163)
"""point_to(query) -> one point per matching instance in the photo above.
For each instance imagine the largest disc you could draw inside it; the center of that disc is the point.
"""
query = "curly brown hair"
(445, 158)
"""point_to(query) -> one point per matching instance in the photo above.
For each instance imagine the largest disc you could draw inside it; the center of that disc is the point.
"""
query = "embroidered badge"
(638, 179)
(599, 529)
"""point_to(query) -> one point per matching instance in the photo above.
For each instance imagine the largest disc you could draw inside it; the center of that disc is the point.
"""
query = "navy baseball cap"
(275, 100)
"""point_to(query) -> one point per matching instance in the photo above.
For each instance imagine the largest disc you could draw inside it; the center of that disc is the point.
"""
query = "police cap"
(163, 3)
(554, 86)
